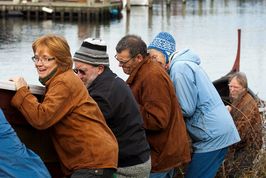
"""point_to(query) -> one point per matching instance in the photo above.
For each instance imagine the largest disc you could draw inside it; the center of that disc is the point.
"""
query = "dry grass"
(260, 164)
(259, 167)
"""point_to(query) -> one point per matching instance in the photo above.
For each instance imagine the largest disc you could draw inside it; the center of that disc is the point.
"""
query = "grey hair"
(241, 78)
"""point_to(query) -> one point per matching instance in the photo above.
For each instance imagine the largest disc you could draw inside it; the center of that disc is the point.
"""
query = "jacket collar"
(132, 76)
(105, 74)
(58, 72)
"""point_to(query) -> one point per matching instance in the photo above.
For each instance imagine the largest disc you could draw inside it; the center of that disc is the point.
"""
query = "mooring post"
(150, 3)
(128, 6)
(90, 2)
(168, 2)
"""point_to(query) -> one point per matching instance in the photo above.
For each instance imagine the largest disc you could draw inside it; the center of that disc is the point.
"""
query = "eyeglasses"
(81, 71)
(43, 59)
(234, 87)
(124, 62)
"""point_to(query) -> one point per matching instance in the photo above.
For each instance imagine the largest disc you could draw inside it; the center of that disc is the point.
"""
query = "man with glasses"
(245, 112)
(118, 106)
(154, 91)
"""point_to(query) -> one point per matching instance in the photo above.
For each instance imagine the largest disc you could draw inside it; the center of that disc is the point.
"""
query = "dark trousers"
(94, 173)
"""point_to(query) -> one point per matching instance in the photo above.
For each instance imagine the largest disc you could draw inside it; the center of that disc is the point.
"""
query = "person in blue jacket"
(17, 161)
(208, 122)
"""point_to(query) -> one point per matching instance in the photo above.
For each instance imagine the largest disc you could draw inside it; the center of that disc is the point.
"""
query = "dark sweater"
(122, 115)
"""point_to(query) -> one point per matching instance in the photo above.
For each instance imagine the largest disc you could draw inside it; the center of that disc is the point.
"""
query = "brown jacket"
(241, 156)
(78, 129)
(163, 120)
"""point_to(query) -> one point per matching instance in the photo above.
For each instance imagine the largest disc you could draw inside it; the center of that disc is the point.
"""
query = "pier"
(63, 10)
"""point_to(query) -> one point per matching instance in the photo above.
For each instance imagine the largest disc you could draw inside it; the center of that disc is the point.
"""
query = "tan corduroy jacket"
(78, 129)
(163, 120)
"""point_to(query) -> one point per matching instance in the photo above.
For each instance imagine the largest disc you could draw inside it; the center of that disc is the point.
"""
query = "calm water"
(208, 27)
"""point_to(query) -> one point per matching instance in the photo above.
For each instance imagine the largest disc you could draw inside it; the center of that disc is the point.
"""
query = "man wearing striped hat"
(118, 106)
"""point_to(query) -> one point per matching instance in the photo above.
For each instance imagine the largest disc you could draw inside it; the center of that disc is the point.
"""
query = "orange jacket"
(79, 132)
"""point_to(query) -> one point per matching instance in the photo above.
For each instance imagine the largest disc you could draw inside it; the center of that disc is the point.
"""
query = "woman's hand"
(19, 82)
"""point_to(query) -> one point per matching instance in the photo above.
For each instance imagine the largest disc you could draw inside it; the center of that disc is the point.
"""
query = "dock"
(62, 10)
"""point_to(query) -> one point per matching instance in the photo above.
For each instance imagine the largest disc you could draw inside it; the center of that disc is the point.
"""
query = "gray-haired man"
(118, 106)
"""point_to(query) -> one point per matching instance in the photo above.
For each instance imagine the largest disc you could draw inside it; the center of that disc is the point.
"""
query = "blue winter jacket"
(208, 122)
(16, 161)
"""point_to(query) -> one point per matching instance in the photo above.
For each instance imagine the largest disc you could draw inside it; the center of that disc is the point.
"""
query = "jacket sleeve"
(57, 103)
(155, 103)
(186, 89)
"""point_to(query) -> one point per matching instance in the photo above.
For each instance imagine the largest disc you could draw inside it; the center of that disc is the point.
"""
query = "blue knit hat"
(165, 43)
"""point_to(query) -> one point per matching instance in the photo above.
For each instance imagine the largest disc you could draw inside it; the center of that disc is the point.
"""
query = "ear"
(139, 58)
(100, 69)
(166, 67)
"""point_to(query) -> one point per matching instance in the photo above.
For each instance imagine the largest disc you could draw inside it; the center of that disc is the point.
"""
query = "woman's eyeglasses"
(81, 71)
(43, 59)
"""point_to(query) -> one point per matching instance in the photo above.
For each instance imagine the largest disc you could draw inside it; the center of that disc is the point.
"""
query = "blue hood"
(185, 55)
(208, 122)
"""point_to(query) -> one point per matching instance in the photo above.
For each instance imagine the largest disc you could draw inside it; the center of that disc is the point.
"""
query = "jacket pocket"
(198, 128)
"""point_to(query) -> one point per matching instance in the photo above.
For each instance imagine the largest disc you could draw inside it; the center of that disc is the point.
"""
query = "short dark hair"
(241, 78)
(134, 44)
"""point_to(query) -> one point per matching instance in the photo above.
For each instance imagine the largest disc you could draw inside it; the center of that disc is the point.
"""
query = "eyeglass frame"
(81, 71)
(235, 87)
(41, 59)
(124, 62)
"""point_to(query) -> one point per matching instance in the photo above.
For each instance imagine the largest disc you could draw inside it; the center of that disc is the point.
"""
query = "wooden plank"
(8, 85)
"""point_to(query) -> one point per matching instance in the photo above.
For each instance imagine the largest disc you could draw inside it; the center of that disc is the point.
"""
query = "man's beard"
(90, 80)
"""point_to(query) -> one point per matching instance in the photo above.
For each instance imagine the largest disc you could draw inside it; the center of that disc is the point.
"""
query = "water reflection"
(208, 27)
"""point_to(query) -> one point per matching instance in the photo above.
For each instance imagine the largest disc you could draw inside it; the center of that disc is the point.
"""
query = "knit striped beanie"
(165, 43)
(92, 51)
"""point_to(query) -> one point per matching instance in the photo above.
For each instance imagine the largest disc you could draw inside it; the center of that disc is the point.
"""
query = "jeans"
(167, 174)
(205, 165)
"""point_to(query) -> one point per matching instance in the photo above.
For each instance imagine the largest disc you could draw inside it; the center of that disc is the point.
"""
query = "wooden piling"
(128, 6)
(168, 2)
(150, 3)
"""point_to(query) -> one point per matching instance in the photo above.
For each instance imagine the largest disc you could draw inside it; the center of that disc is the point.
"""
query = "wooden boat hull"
(37, 140)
